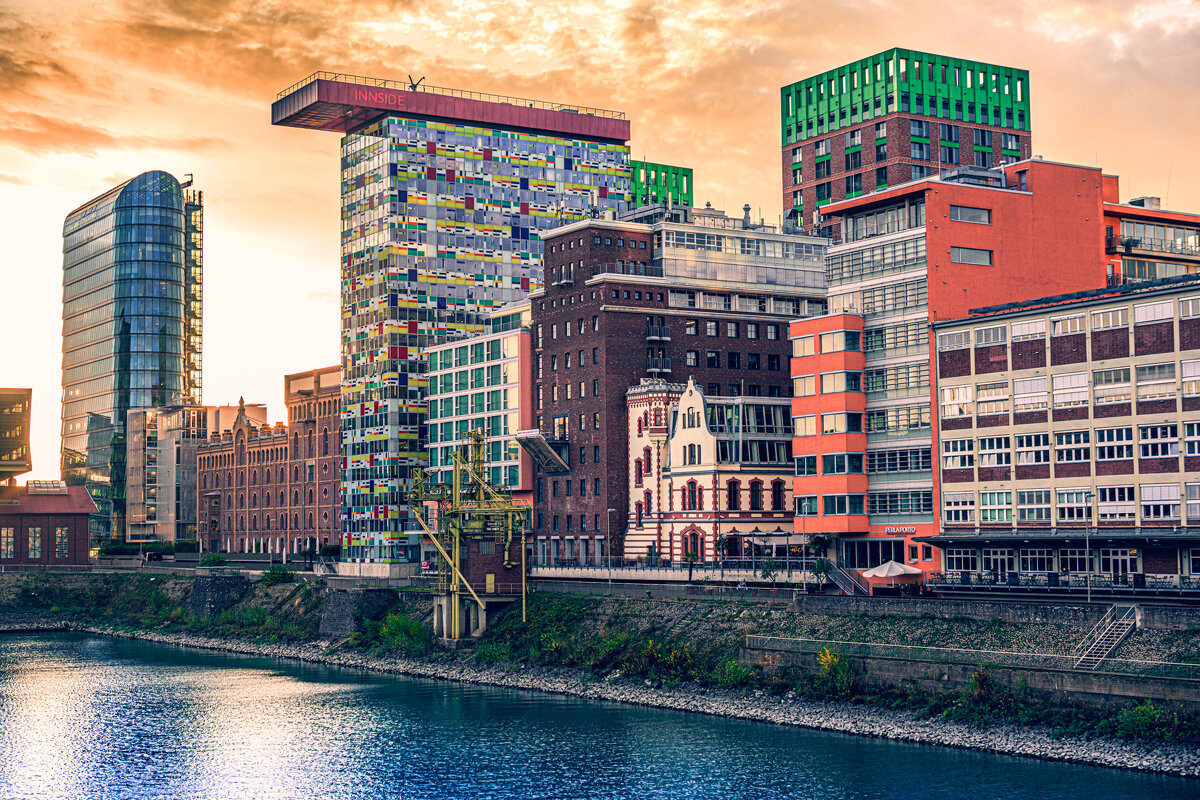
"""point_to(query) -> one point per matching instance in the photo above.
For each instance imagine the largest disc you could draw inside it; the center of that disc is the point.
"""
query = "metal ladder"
(849, 583)
(1112, 629)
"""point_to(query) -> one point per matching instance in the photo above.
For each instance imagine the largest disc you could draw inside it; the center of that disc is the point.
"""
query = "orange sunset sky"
(94, 93)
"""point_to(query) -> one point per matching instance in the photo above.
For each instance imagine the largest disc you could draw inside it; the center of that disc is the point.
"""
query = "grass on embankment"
(668, 643)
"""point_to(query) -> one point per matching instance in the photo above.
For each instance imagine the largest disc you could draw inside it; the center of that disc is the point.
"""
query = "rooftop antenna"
(413, 86)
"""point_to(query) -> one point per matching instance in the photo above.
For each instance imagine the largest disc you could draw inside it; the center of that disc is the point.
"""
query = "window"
(980, 216)
(1112, 318)
(842, 464)
(802, 346)
(987, 337)
(1075, 560)
(751, 330)
(918, 127)
(841, 422)
(1160, 502)
(994, 452)
(1192, 438)
(35, 543)
(1111, 386)
(1070, 390)
(8, 543)
(1114, 444)
(1116, 503)
(710, 328)
(843, 504)
(903, 502)
(959, 340)
(1032, 449)
(805, 426)
(1035, 329)
(957, 401)
(1072, 447)
(773, 333)
(961, 559)
(1156, 382)
(712, 359)
(835, 382)
(983, 138)
(958, 453)
(948, 155)
(1074, 505)
(1191, 377)
(970, 255)
(919, 151)
(1037, 560)
(838, 341)
(731, 330)
(959, 507)
(995, 506)
(914, 460)
(1153, 312)
(1033, 505)
(692, 358)
(991, 398)
(1159, 441)
(734, 360)
(62, 542)
(804, 385)
(1030, 394)
(1064, 326)
(1193, 502)
(806, 506)
(690, 327)
(806, 465)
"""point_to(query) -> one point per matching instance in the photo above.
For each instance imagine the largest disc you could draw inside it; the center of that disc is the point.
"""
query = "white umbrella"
(891, 569)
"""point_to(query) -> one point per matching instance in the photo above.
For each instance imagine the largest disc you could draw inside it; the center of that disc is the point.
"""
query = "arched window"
(254, 523)
(733, 496)
(691, 496)
(296, 445)
(312, 446)
(325, 441)
(637, 472)
(756, 496)
(204, 481)
(241, 500)
(254, 477)
(281, 475)
(295, 474)
(639, 426)
(254, 499)
(310, 496)
(216, 480)
(296, 496)
(283, 522)
(267, 522)
(295, 522)
(646, 459)
(310, 521)
(638, 508)
(281, 498)
(646, 502)
(777, 496)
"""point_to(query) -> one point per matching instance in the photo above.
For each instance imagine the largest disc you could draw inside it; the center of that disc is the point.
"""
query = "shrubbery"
(213, 560)
(278, 573)
(397, 632)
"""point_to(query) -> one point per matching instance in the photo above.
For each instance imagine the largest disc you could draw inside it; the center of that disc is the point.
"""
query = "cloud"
(25, 57)
(34, 133)
(13, 179)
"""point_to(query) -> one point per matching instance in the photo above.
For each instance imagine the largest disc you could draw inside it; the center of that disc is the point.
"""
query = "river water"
(86, 716)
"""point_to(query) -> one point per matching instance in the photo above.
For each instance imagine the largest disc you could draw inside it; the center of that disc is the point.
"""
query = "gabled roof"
(17, 500)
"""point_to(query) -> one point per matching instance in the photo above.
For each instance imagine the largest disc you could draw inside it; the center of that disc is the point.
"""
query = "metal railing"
(404, 86)
(954, 655)
(658, 332)
(849, 581)
(629, 268)
(1073, 582)
(655, 364)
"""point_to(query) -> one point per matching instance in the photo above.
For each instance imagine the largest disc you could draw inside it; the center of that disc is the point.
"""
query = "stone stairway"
(1113, 628)
(848, 582)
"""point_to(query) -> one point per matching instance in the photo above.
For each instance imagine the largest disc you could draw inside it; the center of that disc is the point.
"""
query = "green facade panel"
(654, 183)
(904, 80)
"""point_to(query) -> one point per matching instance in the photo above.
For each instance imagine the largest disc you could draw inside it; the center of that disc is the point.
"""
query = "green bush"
(278, 573)
(213, 560)
(492, 652)
(732, 675)
(123, 549)
(331, 551)
(1147, 721)
(187, 546)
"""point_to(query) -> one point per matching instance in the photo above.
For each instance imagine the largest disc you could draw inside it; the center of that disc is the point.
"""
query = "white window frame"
(1158, 311)
(991, 336)
(958, 453)
(1160, 502)
(1072, 447)
(957, 401)
(1116, 504)
(1033, 505)
(1066, 325)
(1158, 382)
(1153, 439)
(1033, 449)
(995, 451)
(1106, 390)
(1071, 505)
(1070, 389)
(958, 507)
(1027, 397)
(1114, 444)
(995, 506)
(1033, 329)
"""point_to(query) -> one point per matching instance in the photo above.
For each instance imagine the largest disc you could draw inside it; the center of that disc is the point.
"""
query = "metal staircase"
(1112, 629)
(847, 581)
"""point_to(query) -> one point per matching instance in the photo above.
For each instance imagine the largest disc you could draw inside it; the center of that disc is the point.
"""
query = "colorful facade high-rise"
(445, 196)
(893, 117)
(132, 308)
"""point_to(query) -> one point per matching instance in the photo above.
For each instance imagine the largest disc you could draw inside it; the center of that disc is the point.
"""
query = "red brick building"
(44, 524)
(274, 488)
(662, 293)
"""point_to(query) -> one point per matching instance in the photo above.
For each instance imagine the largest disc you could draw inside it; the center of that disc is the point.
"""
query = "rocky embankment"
(861, 720)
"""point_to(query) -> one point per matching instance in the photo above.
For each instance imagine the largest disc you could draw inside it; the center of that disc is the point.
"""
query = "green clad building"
(655, 183)
(896, 116)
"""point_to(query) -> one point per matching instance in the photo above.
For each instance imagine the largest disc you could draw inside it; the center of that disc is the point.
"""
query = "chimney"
(746, 216)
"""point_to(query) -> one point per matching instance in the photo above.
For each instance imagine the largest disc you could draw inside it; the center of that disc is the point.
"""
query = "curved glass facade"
(127, 277)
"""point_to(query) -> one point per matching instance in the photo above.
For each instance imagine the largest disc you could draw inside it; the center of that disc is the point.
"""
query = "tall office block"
(14, 432)
(893, 117)
(659, 183)
(131, 295)
(445, 196)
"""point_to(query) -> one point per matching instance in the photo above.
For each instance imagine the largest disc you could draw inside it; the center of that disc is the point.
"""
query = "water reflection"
(85, 716)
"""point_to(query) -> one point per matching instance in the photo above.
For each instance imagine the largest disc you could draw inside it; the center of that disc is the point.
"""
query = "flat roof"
(1072, 299)
(344, 103)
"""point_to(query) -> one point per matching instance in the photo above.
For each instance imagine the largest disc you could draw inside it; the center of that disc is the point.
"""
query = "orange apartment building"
(927, 251)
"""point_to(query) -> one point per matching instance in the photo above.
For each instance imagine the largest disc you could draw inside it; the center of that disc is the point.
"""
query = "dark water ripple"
(90, 717)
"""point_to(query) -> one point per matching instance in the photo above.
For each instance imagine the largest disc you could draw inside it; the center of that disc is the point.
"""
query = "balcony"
(658, 365)
(659, 333)
(1130, 245)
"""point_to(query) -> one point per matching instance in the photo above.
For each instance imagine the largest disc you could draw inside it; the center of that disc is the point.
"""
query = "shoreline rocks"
(860, 720)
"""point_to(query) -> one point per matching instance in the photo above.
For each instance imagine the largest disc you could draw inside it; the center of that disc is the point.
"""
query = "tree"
(691, 559)
(769, 570)
(821, 569)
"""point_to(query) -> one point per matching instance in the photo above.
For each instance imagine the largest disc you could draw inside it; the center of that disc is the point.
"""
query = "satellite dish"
(412, 86)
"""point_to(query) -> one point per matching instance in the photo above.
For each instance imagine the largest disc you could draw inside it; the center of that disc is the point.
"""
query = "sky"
(95, 93)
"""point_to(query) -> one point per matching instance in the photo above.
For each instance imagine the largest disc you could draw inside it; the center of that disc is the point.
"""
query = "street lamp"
(608, 550)
(1088, 497)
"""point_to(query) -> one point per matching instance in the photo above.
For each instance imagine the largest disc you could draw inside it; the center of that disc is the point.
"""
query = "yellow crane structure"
(474, 526)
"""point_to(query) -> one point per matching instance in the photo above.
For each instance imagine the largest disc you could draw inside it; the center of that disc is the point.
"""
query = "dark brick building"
(274, 489)
(666, 293)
